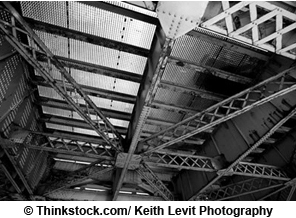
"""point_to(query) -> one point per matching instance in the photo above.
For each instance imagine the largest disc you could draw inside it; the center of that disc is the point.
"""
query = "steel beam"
(122, 11)
(209, 70)
(4, 145)
(180, 161)
(98, 149)
(291, 193)
(8, 55)
(220, 40)
(94, 68)
(85, 37)
(74, 179)
(60, 104)
(246, 153)
(274, 192)
(65, 121)
(172, 107)
(242, 188)
(206, 164)
(175, 87)
(257, 170)
(273, 13)
(156, 184)
(238, 104)
(30, 56)
(78, 195)
(15, 106)
(94, 91)
(160, 50)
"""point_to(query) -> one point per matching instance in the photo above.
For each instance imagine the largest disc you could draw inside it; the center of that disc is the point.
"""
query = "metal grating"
(195, 50)
(97, 80)
(175, 98)
(110, 25)
(225, 38)
(248, 65)
(94, 54)
(6, 74)
(53, 71)
(107, 57)
(100, 102)
(53, 12)
(57, 44)
(73, 114)
(105, 82)
(228, 60)
(181, 75)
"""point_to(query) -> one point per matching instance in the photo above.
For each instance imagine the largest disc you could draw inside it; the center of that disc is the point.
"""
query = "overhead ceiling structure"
(148, 100)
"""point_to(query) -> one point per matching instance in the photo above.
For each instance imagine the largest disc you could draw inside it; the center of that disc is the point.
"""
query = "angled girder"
(257, 170)
(85, 37)
(238, 104)
(287, 185)
(75, 178)
(209, 70)
(207, 164)
(15, 174)
(233, 165)
(156, 184)
(291, 193)
(241, 188)
(11, 32)
(256, 37)
(73, 145)
(160, 50)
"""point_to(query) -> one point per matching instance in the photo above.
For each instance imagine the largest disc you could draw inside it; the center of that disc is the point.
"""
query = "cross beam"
(250, 32)
(236, 105)
(246, 153)
(28, 52)
(242, 188)
(73, 145)
(156, 184)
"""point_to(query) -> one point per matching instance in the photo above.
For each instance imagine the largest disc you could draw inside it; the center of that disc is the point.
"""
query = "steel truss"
(205, 164)
(75, 179)
(156, 184)
(240, 103)
(255, 37)
(242, 188)
(70, 145)
(28, 51)
(246, 153)
(258, 170)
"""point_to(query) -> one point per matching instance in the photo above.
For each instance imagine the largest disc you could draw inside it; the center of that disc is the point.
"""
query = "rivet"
(186, 19)
(170, 14)
(163, 12)
(181, 17)
(175, 15)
